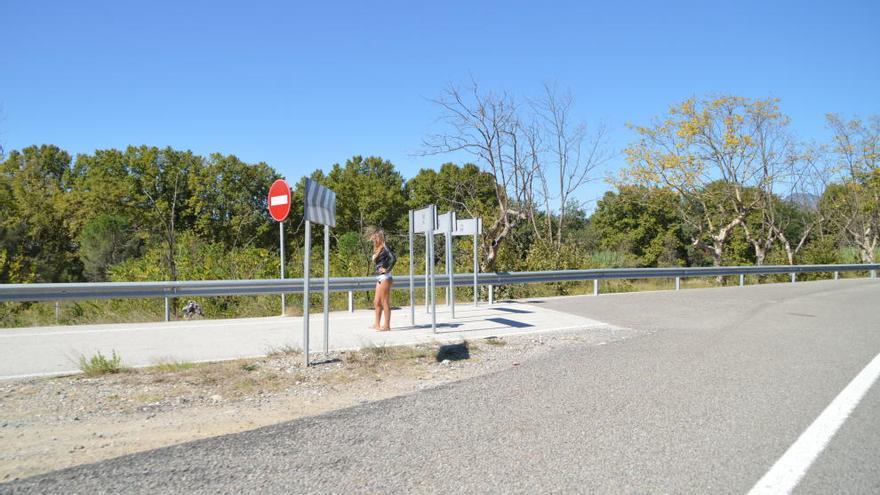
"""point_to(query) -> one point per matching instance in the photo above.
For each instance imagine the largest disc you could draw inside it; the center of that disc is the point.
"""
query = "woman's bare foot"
(384, 329)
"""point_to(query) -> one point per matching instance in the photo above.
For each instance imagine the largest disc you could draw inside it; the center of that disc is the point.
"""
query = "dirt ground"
(52, 423)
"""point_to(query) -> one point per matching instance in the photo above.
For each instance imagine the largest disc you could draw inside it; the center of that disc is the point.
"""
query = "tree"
(798, 218)
(228, 202)
(465, 188)
(487, 126)
(106, 241)
(570, 152)
(854, 201)
(792, 178)
(160, 179)
(369, 192)
(642, 222)
(101, 184)
(35, 245)
(708, 152)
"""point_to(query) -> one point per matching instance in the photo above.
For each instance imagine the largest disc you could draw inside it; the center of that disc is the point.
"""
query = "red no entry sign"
(279, 200)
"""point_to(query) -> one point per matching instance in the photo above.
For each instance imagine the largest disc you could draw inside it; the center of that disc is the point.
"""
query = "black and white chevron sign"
(320, 204)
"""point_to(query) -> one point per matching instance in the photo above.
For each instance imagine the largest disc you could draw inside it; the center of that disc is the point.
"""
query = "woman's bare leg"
(386, 303)
(377, 305)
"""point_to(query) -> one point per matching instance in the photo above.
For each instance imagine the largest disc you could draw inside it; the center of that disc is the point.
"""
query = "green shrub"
(100, 364)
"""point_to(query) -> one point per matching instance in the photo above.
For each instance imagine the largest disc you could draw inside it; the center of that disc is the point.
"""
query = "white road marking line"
(784, 476)
(278, 200)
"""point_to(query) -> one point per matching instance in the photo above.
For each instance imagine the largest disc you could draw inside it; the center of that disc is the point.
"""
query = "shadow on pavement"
(513, 310)
(453, 352)
(510, 323)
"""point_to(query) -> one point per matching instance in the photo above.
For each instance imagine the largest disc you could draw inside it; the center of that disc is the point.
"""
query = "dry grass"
(281, 370)
(171, 366)
(286, 350)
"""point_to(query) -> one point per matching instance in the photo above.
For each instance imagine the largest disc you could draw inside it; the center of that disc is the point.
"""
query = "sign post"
(477, 235)
(474, 227)
(320, 208)
(424, 220)
(279, 208)
(412, 287)
(307, 254)
(283, 295)
(427, 281)
(431, 249)
(445, 226)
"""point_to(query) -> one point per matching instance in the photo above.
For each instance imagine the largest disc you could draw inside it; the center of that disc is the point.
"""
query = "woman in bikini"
(383, 259)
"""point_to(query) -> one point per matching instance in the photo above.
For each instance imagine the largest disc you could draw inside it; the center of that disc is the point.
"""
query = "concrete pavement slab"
(48, 351)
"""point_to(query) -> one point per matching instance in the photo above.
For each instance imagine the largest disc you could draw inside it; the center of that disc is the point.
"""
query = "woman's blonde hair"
(378, 238)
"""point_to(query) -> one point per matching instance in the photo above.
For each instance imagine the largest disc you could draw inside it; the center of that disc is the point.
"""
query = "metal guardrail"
(209, 288)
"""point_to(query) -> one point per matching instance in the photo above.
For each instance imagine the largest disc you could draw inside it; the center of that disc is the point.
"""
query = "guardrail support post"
(491, 294)
(350, 302)
(595, 286)
(793, 277)
(677, 283)
(57, 311)
(167, 309)
(873, 273)
(836, 275)
(742, 279)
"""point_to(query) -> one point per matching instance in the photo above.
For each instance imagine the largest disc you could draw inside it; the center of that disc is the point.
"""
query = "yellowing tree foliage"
(709, 151)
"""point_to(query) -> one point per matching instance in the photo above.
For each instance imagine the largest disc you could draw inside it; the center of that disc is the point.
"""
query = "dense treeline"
(719, 180)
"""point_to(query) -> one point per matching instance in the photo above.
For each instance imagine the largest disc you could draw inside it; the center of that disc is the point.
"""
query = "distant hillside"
(804, 200)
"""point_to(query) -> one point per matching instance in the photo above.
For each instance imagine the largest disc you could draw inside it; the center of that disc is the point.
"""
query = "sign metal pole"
(450, 265)
(427, 281)
(279, 208)
(476, 263)
(320, 208)
(431, 268)
(446, 262)
(412, 286)
(306, 267)
(326, 289)
(283, 295)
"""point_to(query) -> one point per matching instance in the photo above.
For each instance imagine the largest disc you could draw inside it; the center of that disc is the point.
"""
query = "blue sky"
(302, 85)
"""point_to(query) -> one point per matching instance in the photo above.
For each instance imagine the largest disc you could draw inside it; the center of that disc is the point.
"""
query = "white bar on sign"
(278, 200)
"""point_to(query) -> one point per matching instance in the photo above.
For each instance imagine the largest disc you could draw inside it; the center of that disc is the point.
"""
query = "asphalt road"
(717, 388)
